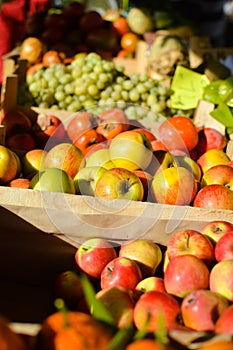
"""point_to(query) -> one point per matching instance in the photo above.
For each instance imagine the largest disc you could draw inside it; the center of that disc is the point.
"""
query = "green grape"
(116, 95)
(54, 107)
(69, 89)
(89, 103)
(141, 88)
(34, 88)
(65, 79)
(59, 96)
(127, 85)
(80, 89)
(74, 106)
(105, 94)
(100, 85)
(62, 104)
(125, 95)
(103, 77)
(53, 83)
(43, 105)
(98, 69)
(144, 77)
(120, 80)
(134, 78)
(151, 100)
(134, 95)
(93, 90)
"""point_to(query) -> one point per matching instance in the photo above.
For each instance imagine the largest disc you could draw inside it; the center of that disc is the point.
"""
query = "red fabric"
(12, 18)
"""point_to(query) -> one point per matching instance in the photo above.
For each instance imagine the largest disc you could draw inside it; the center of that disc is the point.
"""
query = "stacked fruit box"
(71, 217)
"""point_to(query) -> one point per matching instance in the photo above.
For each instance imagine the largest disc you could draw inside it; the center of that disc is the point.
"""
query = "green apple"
(101, 158)
(131, 150)
(53, 180)
(8, 165)
(86, 179)
(119, 183)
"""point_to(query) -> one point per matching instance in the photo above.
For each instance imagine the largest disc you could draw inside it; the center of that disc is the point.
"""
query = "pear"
(139, 20)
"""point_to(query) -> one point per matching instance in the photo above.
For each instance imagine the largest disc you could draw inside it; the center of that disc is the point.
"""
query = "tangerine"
(217, 345)
(129, 41)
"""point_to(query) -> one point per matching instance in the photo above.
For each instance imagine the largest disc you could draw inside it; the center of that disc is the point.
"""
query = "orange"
(68, 331)
(129, 41)
(218, 345)
(120, 24)
(145, 344)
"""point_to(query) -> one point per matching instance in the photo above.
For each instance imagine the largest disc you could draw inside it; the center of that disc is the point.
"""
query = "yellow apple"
(100, 158)
(131, 150)
(211, 158)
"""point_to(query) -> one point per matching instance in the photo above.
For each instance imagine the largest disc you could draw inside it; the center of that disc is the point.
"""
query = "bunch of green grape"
(90, 81)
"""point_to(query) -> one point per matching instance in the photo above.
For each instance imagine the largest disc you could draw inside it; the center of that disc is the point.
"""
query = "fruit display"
(107, 155)
(139, 292)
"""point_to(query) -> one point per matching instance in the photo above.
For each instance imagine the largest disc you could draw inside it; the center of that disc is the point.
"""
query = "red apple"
(216, 229)
(220, 280)
(120, 271)
(224, 247)
(23, 141)
(154, 308)
(201, 308)
(214, 196)
(175, 185)
(210, 138)
(93, 255)
(146, 253)
(131, 149)
(120, 303)
(8, 165)
(68, 286)
(219, 174)
(211, 158)
(191, 242)
(65, 156)
(224, 324)
(146, 180)
(151, 283)
(119, 183)
(185, 273)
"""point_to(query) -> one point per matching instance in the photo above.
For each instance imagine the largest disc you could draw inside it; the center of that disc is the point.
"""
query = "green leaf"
(97, 308)
(121, 339)
(223, 114)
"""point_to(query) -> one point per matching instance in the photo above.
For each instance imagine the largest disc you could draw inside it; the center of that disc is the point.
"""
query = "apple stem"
(187, 236)
(60, 305)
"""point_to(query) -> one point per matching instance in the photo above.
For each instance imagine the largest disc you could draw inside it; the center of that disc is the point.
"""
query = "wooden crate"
(40, 232)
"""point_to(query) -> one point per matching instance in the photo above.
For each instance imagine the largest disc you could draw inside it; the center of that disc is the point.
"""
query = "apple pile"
(186, 285)
(109, 156)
